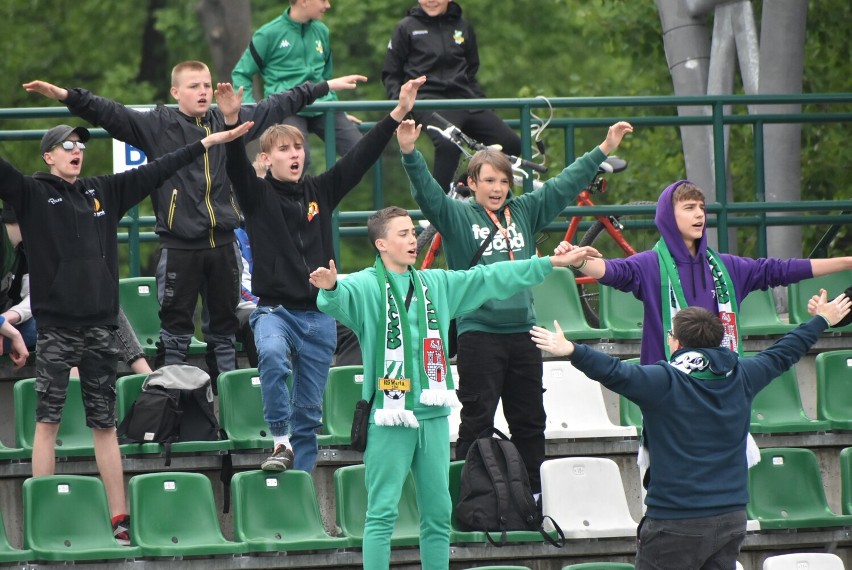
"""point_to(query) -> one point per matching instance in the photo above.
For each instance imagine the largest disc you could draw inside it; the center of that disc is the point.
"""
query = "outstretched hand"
(345, 82)
(566, 254)
(229, 101)
(407, 96)
(323, 278)
(406, 134)
(47, 89)
(614, 136)
(832, 311)
(553, 342)
(227, 136)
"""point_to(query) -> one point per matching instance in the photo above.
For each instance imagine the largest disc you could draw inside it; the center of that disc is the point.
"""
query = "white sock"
(281, 440)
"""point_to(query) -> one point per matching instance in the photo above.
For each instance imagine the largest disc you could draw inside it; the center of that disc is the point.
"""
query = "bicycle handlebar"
(453, 133)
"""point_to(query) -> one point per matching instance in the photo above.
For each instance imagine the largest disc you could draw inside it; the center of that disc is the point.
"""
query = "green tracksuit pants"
(391, 453)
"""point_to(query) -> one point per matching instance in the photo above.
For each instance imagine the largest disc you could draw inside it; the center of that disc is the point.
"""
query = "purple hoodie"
(640, 274)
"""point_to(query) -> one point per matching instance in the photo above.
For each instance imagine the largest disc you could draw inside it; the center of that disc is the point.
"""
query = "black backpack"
(175, 404)
(495, 493)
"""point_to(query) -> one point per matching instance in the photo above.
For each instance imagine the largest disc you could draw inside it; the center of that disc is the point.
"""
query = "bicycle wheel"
(425, 238)
(589, 295)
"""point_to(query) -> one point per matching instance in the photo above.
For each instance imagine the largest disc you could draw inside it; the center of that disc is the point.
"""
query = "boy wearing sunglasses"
(69, 225)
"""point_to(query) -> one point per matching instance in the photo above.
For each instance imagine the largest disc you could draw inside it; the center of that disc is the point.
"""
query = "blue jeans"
(300, 343)
(707, 543)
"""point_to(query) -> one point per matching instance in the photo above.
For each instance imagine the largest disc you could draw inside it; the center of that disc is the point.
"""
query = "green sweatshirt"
(357, 301)
(464, 225)
(287, 53)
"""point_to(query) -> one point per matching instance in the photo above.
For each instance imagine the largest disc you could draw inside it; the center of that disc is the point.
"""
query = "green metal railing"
(752, 214)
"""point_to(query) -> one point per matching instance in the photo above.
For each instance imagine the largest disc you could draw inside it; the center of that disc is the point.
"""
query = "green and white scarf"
(394, 401)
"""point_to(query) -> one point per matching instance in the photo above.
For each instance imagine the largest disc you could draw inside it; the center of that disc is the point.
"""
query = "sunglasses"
(69, 145)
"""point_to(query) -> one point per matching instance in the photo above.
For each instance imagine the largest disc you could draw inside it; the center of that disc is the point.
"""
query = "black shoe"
(121, 530)
(280, 460)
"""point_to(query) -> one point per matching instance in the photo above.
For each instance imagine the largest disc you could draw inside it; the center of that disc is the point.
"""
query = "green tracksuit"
(357, 302)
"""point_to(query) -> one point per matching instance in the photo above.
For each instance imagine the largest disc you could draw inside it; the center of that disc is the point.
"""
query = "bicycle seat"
(612, 164)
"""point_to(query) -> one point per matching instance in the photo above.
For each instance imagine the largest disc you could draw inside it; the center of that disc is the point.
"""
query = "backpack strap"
(498, 483)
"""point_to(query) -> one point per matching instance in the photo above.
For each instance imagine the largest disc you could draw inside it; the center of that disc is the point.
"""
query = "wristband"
(581, 266)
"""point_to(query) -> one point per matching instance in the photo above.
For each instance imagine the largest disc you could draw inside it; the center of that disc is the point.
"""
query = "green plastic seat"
(799, 293)
(621, 313)
(846, 481)
(499, 568)
(174, 514)
(241, 409)
(757, 315)
(138, 298)
(556, 298)
(7, 552)
(66, 518)
(13, 453)
(786, 491)
(350, 493)
(778, 408)
(338, 403)
(74, 438)
(834, 388)
(629, 414)
(127, 389)
(279, 512)
(600, 566)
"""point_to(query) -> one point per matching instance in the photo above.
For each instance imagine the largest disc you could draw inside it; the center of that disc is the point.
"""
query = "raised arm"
(822, 267)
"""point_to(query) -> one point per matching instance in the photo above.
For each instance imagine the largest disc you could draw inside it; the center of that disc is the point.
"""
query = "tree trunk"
(227, 28)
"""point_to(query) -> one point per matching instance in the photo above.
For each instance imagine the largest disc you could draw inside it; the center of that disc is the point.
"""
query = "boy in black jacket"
(69, 225)
(196, 214)
(288, 219)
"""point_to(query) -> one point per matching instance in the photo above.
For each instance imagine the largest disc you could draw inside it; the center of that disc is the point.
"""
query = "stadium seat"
(846, 481)
(758, 316)
(804, 561)
(586, 497)
(138, 298)
(7, 552)
(241, 409)
(786, 491)
(338, 403)
(799, 293)
(778, 408)
(834, 388)
(74, 438)
(621, 313)
(350, 493)
(174, 514)
(12, 453)
(279, 512)
(556, 298)
(575, 406)
(629, 414)
(127, 389)
(600, 566)
(66, 518)
(498, 568)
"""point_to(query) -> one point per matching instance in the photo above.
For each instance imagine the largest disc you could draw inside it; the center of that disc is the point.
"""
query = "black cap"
(60, 133)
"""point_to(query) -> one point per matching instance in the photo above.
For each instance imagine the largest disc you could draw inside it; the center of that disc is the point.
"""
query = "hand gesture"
(575, 256)
(345, 82)
(47, 89)
(832, 311)
(227, 136)
(353, 119)
(229, 101)
(323, 278)
(614, 135)
(19, 352)
(552, 342)
(407, 95)
(406, 134)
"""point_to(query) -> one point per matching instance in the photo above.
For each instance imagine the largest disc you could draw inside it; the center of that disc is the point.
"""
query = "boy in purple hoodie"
(682, 271)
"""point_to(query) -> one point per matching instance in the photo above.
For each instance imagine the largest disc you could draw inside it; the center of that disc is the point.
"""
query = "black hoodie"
(70, 232)
(443, 48)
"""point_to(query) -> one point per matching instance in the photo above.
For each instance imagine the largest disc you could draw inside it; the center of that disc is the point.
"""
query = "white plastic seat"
(575, 406)
(804, 561)
(739, 566)
(586, 497)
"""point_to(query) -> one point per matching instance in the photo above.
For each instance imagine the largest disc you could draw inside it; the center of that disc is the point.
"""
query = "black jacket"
(70, 232)
(195, 207)
(442, 48)
(289, 224)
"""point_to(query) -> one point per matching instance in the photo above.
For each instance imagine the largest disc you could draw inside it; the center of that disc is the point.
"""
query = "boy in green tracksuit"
(406, 370)
(496, 358)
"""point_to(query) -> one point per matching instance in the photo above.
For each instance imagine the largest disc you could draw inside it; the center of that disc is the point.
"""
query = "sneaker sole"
(273, 466)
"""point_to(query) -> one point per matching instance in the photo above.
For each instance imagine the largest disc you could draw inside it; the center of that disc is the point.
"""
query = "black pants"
(492, 366)
(183, 275)
(482, 125)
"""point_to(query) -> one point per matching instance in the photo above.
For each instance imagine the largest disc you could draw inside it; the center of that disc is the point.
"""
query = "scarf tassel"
(386, 417)
(440, 398)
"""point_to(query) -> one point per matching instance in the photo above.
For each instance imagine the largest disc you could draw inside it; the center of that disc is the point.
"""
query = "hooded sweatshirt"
(696, 411)
(465, 225)
(443, 48)
(640, 274)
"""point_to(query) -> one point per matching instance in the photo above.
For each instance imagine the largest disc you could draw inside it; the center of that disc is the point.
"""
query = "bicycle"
(609, 225)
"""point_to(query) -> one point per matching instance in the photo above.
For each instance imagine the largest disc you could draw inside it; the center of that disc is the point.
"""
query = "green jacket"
(286, 53)
(464, 225)
(357, 302)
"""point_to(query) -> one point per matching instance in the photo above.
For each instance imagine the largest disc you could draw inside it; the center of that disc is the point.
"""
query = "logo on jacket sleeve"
(458, 37)
(313, 210)
(284, 44)
(320, 49)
